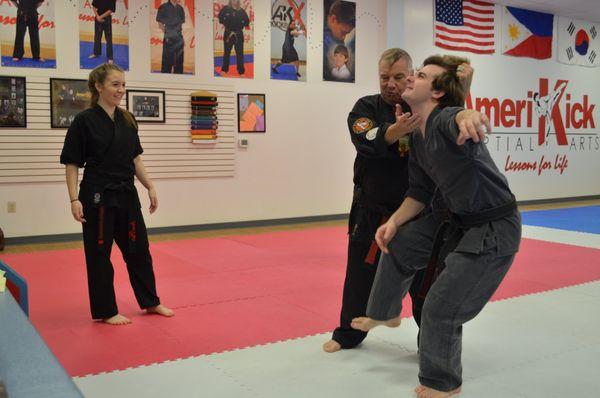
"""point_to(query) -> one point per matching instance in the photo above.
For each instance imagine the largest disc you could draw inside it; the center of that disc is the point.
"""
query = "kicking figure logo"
(548, 110)
(544, 105)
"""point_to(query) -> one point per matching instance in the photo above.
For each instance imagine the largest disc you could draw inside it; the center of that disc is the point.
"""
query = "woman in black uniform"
(289, 55)
(104, 140)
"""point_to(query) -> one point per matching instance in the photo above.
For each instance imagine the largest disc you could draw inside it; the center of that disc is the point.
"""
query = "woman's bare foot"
(426, 392)
(16, 59)
(160, 310)
(365, 323)
(117, 320)
(331, 346)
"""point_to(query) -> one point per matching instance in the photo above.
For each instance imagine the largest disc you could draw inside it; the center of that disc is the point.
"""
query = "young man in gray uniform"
(478, 244)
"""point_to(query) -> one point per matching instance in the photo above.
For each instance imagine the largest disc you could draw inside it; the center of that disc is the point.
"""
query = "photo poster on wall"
(288, 40)
(251, 113)
(172, 41)
(339, 40)
(146, 105)
(28, 34)
(103, 39)
(68, 97)
(233, 36)
(13, 107)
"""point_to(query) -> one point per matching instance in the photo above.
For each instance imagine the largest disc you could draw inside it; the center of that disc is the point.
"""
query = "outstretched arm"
(472, 125)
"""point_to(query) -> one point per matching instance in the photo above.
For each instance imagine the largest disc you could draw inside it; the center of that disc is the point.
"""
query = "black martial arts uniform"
(172, 16)
(380, 183)
(234, 22)
(27, 18)
(111, 206)
(105, 26)
(288, 52)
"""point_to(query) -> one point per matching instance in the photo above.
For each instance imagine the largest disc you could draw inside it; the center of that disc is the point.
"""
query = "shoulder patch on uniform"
(362, 124)
(372, 134)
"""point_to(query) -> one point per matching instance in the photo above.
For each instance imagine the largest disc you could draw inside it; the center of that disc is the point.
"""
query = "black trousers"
(172, 55)
(360, 273)
(99, 28)
(127, 229)
(235, 40)
(27, 20)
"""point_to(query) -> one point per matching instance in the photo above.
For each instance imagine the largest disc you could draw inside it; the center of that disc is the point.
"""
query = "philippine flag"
(527, 33)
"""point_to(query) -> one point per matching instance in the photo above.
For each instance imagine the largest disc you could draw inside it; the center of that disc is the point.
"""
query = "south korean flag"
(578, 42)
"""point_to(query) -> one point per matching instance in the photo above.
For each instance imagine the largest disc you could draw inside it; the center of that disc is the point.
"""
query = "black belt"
(449, 234)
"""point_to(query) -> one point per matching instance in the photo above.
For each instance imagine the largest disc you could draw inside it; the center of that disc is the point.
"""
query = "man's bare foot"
(331, 346)
(110, 61)
(92, 56)
(16, 59)
(365, 323)
(117, 320)
(426, 392)
(160, 310)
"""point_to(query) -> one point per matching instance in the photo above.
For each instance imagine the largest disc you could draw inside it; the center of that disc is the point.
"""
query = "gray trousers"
(473, 273)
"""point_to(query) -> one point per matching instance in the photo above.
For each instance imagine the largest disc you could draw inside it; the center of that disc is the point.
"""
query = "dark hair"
(98, 75)
(341, 49)
(447, 81)
(344, 11)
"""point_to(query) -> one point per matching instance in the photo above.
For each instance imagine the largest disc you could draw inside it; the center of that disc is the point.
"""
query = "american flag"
(464, 25)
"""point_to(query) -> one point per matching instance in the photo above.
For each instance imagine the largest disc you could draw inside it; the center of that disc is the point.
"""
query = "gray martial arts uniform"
(471, 185)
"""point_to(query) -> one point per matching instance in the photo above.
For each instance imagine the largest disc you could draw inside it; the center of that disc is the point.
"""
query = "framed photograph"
(251, 113)
(13, 109)
(146, 105)
(68, 97)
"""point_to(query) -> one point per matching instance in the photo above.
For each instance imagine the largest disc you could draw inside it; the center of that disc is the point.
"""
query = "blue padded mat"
(580, 219)
(120, 55)
(284, 72)
(28, 63)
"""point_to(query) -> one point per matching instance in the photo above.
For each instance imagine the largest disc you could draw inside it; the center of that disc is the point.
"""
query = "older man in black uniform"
(27, 18)
(380, 184)
(103, 10)
(170, 18)
(234, 18)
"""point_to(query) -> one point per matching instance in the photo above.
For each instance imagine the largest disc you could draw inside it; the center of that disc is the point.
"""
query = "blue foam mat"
(28, 63)
(120, 55)
(580, 219)
(284, 72)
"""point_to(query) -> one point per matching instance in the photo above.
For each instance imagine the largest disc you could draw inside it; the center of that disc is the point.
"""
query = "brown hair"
(344, 11)
(392, 55)
(448, 82)
(341, 49)
(98, 75)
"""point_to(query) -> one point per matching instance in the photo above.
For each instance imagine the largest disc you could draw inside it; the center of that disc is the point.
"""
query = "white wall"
(302, 166)
(499, 76)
